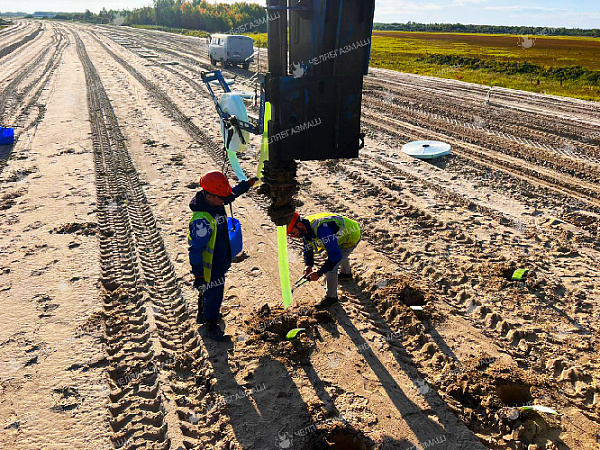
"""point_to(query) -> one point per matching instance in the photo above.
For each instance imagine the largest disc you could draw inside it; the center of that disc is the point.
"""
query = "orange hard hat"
(214, 182)
(292, 223)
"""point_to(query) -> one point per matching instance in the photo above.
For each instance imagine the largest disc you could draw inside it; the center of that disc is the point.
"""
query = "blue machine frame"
(232, 122)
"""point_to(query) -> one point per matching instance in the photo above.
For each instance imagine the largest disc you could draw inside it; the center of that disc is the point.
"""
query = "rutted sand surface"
(369, 373)
(53, 382)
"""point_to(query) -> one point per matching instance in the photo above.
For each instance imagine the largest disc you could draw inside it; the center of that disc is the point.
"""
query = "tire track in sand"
(158, 373)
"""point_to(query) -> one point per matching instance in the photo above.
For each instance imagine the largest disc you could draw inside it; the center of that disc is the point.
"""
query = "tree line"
(485, 29)
(188, 15)
(200, 15)
(103, 17)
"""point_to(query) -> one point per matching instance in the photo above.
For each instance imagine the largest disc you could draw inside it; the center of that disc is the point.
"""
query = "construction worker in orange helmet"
(333, 233)
(209, 245)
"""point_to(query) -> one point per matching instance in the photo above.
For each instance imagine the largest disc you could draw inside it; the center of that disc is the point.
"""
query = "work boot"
(201, 318)
(326, 302)
(214, 332)
(344, 276)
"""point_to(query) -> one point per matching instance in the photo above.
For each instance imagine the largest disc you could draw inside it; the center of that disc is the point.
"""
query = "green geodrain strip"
(293, 333)
(519, 274)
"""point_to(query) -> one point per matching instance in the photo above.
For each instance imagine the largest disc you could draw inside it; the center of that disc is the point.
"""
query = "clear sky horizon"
(548, 13)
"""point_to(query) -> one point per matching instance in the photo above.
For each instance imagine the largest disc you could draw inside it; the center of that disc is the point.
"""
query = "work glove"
(313, 276)
(198, 282)
(308, 270)
(252, 181)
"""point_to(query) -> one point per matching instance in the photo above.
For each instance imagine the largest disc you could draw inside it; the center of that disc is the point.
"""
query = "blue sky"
(551, 13)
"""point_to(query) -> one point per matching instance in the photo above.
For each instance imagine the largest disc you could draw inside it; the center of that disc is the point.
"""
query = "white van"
(231, 50)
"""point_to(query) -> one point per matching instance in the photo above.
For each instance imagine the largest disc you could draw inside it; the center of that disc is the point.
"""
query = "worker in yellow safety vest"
(209, 245)
(333, 233)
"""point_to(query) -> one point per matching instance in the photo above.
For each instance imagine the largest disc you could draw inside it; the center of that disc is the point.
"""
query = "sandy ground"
(99, 348)
(53, 361)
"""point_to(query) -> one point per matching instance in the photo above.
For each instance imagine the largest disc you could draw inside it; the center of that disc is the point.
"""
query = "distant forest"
(174, 15)
(103, 17)
(201, 15)
(485, 29)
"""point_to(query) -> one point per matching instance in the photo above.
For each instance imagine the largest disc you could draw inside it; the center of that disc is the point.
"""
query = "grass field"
(406, 52)
(546, 50)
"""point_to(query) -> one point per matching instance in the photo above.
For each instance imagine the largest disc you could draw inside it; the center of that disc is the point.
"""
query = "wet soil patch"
(507, 271)
(584, 219)
(487, 396)
(532, 282)
(275, 323)
(514, 394)
(82, 228)
(269, 327)
(408, 295)
(7, 201)
(401, 291)
(393, 296)
(337, 435)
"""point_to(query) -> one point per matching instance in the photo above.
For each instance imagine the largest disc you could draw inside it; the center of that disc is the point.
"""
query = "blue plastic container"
(235, 236)
(7, 136)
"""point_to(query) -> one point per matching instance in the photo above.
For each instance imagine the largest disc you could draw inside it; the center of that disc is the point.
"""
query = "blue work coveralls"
(200, 232)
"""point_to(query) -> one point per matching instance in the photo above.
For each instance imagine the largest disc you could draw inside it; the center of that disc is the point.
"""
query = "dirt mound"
(273, 324)
(333, 434)
(489, 398)
(395, 297)
(587, 220)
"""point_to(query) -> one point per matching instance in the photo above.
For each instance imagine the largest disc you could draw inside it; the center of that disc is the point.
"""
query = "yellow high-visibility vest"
(347, 236)
(208, 252)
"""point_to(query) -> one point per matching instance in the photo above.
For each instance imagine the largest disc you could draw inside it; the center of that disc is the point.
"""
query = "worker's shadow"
(266, 410)
(422, 425)
(263, 403)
